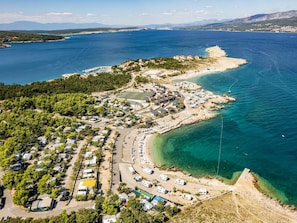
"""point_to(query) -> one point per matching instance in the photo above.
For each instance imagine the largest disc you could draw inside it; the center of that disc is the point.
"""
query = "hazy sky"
(136, 12)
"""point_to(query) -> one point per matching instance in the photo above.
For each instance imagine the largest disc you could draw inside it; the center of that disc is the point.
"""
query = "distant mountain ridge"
(274, 22)
(29, 25)
(265, 17)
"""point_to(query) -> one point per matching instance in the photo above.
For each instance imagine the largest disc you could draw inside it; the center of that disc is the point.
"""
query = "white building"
(146, 206)
(91, 162)
(146, 183)
(43, 203)
(82, 190)
(148, 171)
(202, 191)
(88, 173)
(180, 182)
(187, 197)
(162, 190)
(109, 219)
(164, 177)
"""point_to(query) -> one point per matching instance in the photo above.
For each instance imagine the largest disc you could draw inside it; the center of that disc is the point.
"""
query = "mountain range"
(266, 17)
(279, 21)
(274, 22)
(29, 25)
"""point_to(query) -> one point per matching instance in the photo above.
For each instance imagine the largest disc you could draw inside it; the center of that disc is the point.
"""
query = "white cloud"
(59, 13)
(170, 12)
(12, 17)
(144, 14)
(91, 14)
(201, 12)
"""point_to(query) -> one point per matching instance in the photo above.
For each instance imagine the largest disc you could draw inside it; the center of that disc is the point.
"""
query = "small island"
(25, 37)
(85, 142)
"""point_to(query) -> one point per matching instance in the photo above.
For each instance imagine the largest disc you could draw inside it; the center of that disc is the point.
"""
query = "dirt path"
(236, 203)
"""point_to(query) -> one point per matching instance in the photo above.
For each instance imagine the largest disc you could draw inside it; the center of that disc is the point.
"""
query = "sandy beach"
(136, 151)
(139, 139)
(220, 62)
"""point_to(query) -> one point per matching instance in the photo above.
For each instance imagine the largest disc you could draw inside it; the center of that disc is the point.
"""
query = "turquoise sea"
(259, 129)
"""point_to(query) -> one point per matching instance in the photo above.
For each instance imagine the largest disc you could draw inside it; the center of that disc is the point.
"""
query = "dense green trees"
(20, 127)
(44, 186)
(10, 179)
(134, 213)
(111, 205)
(141, 79)
(6, 36)
(22, 121)
(73, 84)
(21, 197)
(166, 63)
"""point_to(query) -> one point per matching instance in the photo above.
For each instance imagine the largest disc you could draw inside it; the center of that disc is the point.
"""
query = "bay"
(259, 128)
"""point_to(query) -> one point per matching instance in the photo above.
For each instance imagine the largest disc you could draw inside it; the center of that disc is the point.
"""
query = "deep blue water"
(25, 63)
(260, 128)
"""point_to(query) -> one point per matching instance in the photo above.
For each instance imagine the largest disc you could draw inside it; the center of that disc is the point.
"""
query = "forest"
(22, 121)
(73, 84)
(6, 36)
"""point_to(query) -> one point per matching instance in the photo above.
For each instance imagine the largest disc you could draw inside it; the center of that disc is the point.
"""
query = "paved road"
(69, 180)
(118, 155)
(116, 159)
(15, 211)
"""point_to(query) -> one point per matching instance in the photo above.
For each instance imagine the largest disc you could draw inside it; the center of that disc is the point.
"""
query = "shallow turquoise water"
(259, 128)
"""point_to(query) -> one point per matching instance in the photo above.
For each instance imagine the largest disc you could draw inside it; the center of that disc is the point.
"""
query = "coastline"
(221, 62)
(137, 152)
(102, 31)
(245, 184)
(4, 45)
(36, 41)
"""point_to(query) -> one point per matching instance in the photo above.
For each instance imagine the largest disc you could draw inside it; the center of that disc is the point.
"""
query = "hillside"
(231, 208)
(275, 22)
(29, 25)
(244, 203)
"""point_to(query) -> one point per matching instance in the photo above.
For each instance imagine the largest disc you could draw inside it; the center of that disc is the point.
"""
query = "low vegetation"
(231, 208)
(6, 36)
(166, 63)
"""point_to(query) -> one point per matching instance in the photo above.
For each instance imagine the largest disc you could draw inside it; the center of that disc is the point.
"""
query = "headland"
(199, 105)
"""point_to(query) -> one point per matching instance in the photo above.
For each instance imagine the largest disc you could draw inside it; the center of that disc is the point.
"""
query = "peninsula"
(90, 144)
(25, 37)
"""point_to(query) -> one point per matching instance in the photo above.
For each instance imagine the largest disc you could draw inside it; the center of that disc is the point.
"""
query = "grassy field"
(230, 208)
(140, 96)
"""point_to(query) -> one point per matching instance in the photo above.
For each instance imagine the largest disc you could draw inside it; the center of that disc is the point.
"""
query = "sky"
(136, 12)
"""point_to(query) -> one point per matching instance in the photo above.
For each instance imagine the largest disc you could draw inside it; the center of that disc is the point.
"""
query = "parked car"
(1, 191)
(65, 196)
(2, 202)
